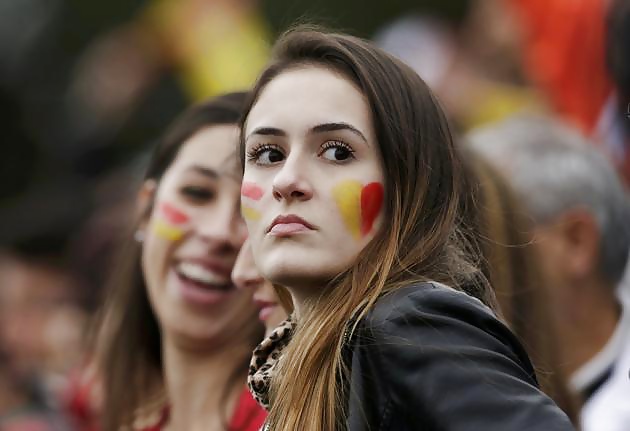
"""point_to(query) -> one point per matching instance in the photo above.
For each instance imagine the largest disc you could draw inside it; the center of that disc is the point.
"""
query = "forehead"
(307, 96)
(213, 147)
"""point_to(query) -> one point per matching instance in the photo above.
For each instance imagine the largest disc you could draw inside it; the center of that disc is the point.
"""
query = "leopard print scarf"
(265, 358)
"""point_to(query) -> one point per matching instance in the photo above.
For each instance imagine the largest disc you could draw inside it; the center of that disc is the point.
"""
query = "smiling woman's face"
(312, 193)
(193, 235)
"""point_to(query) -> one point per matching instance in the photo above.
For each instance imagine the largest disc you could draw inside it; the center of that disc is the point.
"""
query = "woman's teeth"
(202, 275)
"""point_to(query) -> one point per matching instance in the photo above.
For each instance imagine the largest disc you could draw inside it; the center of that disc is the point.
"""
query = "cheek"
(170, 222)
(251, 193)
(371, 204)
(359, 205)
(249, 213)
(154, 256)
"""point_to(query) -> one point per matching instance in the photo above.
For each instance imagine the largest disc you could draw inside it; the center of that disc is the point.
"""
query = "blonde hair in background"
(502, 231)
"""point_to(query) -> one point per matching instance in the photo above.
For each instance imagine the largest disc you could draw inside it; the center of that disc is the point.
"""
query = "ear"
(144, 201)
(582, 238)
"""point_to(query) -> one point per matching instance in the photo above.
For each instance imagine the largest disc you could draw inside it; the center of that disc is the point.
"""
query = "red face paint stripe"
(252, 191)
(173, 215)
(371, 203)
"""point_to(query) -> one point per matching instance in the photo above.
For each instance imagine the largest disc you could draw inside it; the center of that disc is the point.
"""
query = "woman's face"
(312, 192)
(246, 276)
(192, 238)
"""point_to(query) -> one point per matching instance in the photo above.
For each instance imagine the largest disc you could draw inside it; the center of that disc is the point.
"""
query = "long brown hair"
(501, 230)
(129, 344)
(421, 241)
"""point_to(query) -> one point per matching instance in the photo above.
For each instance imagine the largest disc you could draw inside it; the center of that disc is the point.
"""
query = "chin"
(297, 272)
(303, 262)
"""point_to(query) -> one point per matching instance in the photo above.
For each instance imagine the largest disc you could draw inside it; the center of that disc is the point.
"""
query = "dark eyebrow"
(333, 127)
(267, 131)
(207, 172)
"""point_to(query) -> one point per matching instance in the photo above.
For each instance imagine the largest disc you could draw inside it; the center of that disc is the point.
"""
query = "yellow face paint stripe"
(167, 231)
(347, 195)
(249, 213)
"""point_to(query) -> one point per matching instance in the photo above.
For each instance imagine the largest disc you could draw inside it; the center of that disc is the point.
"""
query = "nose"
(223, 226)
(245, 274)
(291, 181)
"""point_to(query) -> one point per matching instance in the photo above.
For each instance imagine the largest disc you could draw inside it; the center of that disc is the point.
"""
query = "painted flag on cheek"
(170, 223)
(371, 203)
(359, 205)
(251, 191)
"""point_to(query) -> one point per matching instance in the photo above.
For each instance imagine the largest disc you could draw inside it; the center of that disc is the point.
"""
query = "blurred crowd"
(537, 90)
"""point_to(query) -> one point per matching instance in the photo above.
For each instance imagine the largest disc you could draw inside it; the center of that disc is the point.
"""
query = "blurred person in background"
(210, 47)
(576, 54)
(42, 308)
(41, 341)
(580, 212)
(503, 57)
(273, 302)
(176, 335)
(609, 409)
(501, 232)
(472, 62)
(614, 126)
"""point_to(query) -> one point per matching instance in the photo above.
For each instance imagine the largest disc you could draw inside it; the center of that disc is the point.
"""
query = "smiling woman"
(357, 190)
(176, 334)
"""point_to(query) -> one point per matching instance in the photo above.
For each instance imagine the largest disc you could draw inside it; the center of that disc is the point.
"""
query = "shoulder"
(608, 409)
(427, 297)
(430, 356)
(427, 312)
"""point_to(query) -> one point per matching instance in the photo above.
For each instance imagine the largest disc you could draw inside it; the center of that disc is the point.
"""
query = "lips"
(289, 224)
(211, 265)
(202, 282)
(202, 274)
(266, 308)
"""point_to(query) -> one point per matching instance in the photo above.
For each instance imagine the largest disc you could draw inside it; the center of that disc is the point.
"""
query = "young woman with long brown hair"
(176, 334)
(351, 192)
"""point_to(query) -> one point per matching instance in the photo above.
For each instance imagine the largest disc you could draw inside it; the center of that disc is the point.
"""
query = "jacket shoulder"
(426, 297)
(431, 313)
(427, 355)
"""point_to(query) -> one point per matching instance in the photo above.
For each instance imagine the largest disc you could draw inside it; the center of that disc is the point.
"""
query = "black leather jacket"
(430, 358)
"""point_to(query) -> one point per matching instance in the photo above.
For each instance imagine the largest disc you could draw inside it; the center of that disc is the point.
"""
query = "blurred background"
(86, 88)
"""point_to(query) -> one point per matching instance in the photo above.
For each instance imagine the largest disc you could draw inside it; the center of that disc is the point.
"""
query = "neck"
(303, 297)
(198, 384)
(588, 326)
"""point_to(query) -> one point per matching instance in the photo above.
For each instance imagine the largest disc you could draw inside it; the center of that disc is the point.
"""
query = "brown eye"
(270, 156)
(266, 154)
(337, 151)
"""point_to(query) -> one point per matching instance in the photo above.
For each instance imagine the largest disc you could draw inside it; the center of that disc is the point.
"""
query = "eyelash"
(336, 144)
(254, 153)
(197, 193)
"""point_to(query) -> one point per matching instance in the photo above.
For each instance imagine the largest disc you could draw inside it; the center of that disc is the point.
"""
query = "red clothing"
(248, 416)
(565, 55)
